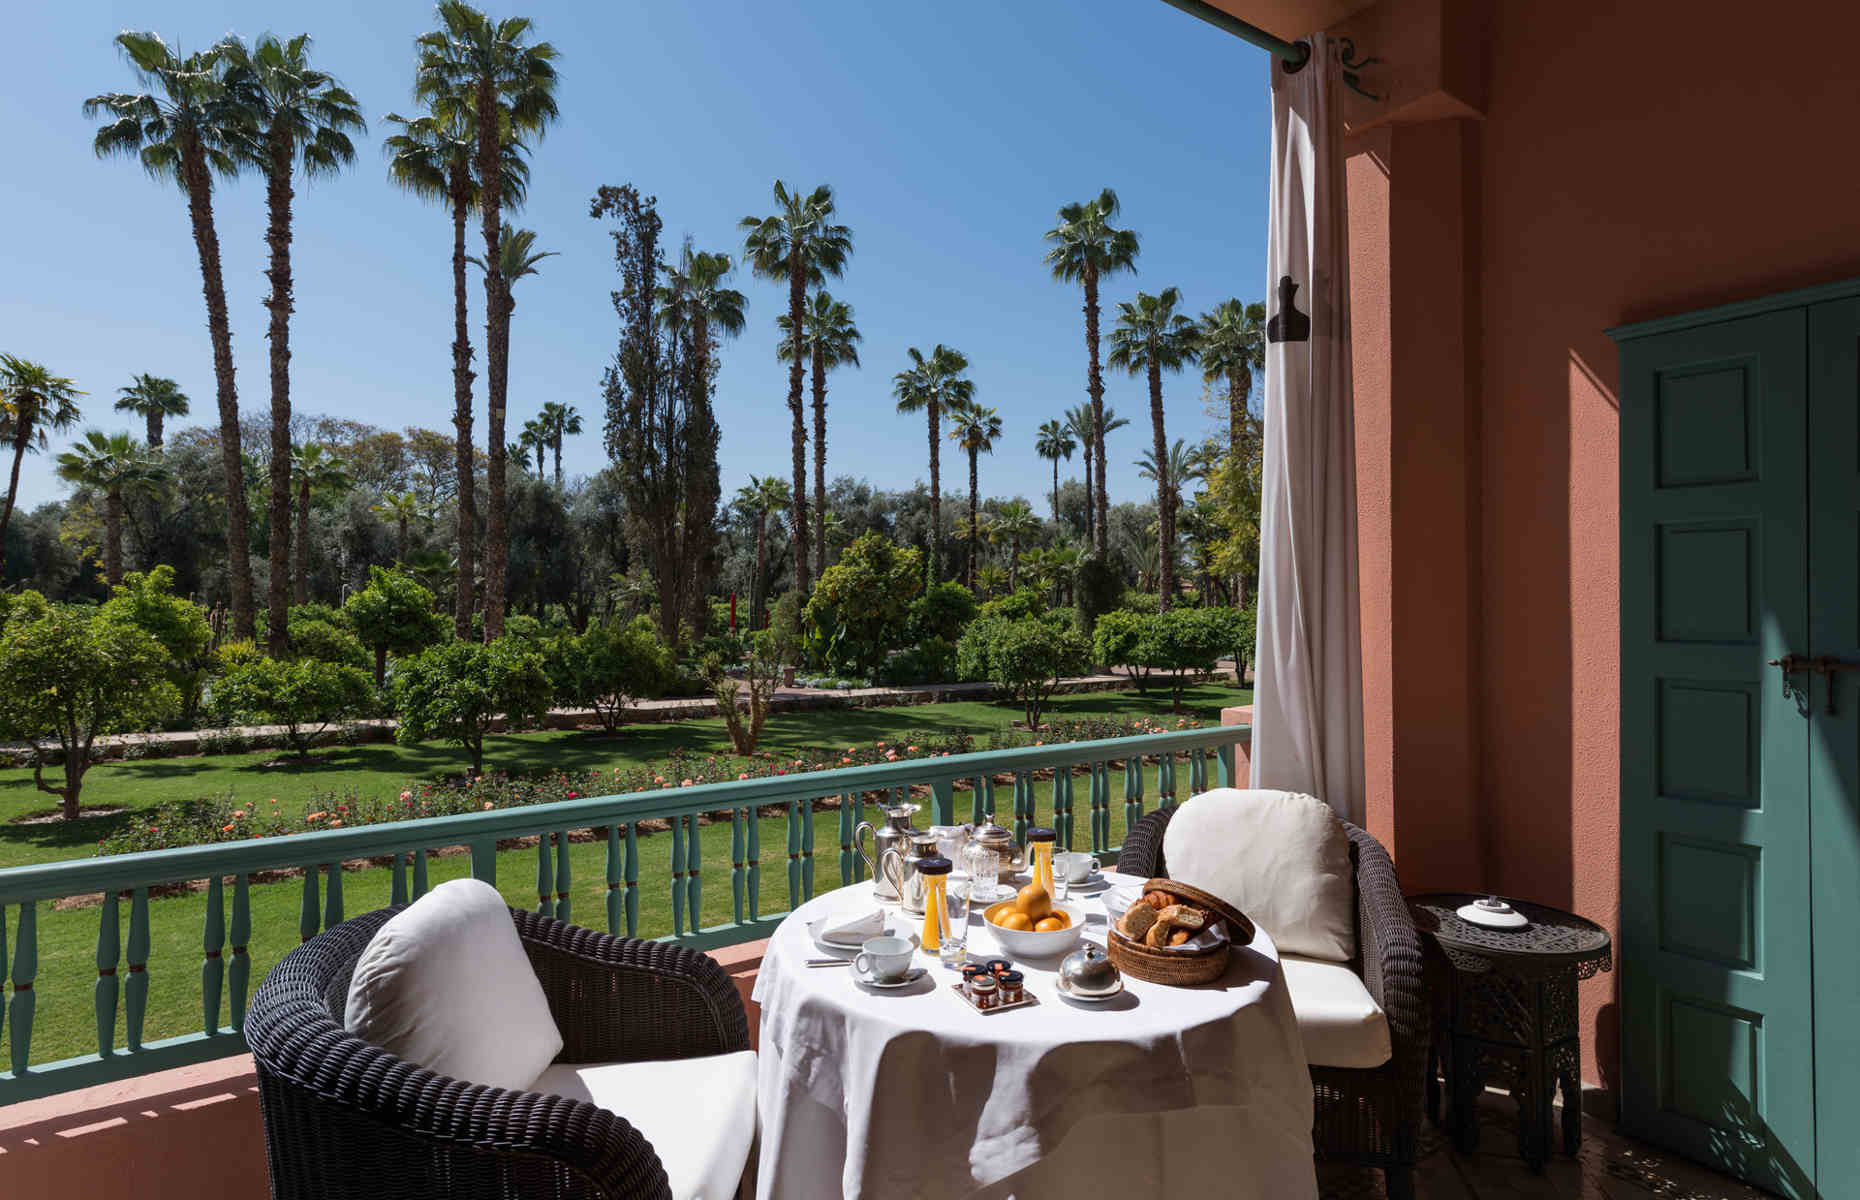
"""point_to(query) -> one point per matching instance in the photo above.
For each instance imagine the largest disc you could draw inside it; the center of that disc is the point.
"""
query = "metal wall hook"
(1353, 66)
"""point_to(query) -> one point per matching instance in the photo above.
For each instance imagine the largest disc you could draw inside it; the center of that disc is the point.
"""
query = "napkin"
(856, 931)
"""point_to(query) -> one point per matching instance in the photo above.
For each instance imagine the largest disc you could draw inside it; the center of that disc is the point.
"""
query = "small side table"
(1505, 1008)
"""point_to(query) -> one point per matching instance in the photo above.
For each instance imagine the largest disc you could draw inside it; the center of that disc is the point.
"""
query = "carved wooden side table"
(1505, 1010)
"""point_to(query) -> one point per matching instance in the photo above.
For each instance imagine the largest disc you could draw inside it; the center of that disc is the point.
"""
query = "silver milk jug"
(913, 892)
(890, 842)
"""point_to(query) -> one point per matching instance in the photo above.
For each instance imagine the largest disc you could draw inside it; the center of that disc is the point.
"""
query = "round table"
(1505, 1006)
(1162, 1090)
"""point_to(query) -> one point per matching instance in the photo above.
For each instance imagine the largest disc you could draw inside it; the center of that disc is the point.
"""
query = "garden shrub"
(860, 610)
(1141, 602)
(1118, 642)
(320, 632)
(305, 695)
(943, 611)
(1097, 589)
(1027, 602)
(455, 690)
(932, 660)
(1026, 658)
(608, 668)
(770, 650)
(1185, 642)
(147, 601)
(69, 674)
(394, 615)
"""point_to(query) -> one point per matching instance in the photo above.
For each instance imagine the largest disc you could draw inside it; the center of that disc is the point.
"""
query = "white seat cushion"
(698, 1113)
(1341, 1025)
(1282, 858)
(445, 984)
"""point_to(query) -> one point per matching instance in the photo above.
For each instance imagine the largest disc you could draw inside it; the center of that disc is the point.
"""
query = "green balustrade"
(226, 966)
(212, 965)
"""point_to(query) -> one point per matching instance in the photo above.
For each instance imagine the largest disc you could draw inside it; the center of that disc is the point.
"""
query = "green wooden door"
(1717, 1008)
(1834, 738)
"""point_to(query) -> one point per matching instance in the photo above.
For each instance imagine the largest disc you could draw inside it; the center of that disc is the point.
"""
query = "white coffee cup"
(884, 959)
(1075, 864)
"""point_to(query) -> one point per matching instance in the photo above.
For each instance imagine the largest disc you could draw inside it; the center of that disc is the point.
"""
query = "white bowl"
(1031, 943)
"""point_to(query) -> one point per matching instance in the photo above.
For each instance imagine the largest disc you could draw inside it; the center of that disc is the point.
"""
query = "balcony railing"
(1084, 771)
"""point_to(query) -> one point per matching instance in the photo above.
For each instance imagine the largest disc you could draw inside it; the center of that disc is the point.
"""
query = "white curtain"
(1308, 692)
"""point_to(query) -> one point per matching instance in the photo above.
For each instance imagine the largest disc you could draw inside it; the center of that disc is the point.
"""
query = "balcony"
(178, 1114)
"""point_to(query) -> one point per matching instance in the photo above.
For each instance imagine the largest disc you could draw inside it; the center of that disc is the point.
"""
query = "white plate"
(911, 976)
(1069, 994)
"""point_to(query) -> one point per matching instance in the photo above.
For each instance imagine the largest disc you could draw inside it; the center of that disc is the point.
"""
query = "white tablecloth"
(1201, 1091)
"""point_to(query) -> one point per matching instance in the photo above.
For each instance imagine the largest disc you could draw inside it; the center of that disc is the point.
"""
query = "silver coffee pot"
(890, 843)
(912, 890)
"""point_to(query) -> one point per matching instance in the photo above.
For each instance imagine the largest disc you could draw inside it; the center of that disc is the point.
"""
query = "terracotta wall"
(1633, 160)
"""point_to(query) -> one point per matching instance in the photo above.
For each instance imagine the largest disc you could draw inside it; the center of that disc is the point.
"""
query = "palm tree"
(763, 496)
(299, 117)
(32, 400)
(1014, 521)
(511, 86)
(693, 301)
(402, 508)
(1179, 467)
(186, 128)
(1085, 248)
(534, 440)
(314, 469)
(1233, 346)
(517, 256)
(1082, 425)
(933, 384)
(111, 464)
(557, 422)
(1055, 442)
(1152, 337)
(432, 158)
(829, 339)
(154, 399)
(975, 429)
(799, 243)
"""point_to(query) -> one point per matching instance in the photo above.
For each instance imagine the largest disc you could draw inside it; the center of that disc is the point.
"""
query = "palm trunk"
(1165, 494)
(1014, 563)
(1239, 388)
(153, 420)
(300, 552)
(797, 306)
(936, 495)
(975, 545)
(467, 504)
(278, 237)
(1095, 385)
(1090, 500)
(22, 439)
(755, 585)
(1055, 489)
(113, 536)
(402, 556)
(820, 462)
(557, 441)
(497, 352)
(219, 329)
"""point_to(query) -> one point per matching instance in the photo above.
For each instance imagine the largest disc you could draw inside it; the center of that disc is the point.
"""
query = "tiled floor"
(1609, 1167)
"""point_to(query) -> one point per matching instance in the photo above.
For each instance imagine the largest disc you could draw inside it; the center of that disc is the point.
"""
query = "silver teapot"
(1001, 840)
(890, 842)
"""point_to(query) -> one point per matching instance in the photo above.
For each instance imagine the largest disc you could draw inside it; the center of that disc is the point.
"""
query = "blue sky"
(951, 132)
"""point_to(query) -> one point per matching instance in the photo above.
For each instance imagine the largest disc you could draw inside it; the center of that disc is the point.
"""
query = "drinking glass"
(952, 948)
(984, 868)
(1062, 887)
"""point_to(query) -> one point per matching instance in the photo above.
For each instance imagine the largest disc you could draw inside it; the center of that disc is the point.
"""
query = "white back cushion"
(1282, 858)
(446, 985)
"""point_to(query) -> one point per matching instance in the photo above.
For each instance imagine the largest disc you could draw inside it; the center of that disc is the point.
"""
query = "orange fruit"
(1051, 924)
(1016, 920)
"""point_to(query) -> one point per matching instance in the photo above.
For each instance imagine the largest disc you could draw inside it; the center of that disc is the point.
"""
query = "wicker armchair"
(1370, 1117)
(344, 1118)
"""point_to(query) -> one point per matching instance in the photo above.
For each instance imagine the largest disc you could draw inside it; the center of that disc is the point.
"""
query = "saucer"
(1069, 994)
(1094, 882)
(909, 977)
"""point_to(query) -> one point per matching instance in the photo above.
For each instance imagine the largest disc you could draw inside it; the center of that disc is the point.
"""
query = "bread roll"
(1158, 936)
(1137, 921)
(1183, 916)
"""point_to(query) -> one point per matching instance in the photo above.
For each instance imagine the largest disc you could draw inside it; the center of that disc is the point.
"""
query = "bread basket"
(1180, 968)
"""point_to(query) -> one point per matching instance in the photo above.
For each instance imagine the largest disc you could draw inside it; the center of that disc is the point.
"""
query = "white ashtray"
(1493, 913)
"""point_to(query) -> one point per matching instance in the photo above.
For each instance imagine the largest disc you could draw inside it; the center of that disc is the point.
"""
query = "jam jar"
(984, 993)
(1009, 985)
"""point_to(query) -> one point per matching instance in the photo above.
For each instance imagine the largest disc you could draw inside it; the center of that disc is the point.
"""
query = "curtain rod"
(1294, 54)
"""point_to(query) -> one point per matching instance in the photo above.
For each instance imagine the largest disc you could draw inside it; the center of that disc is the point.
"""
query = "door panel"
(1717, 1041)
(1834, 758)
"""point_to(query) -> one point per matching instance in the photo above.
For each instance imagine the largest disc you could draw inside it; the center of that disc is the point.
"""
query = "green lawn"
(65, 1024)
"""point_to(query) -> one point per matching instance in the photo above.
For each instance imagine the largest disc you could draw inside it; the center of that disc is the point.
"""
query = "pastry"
(1178, 936)
(1137, 921)
(1183, 915)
